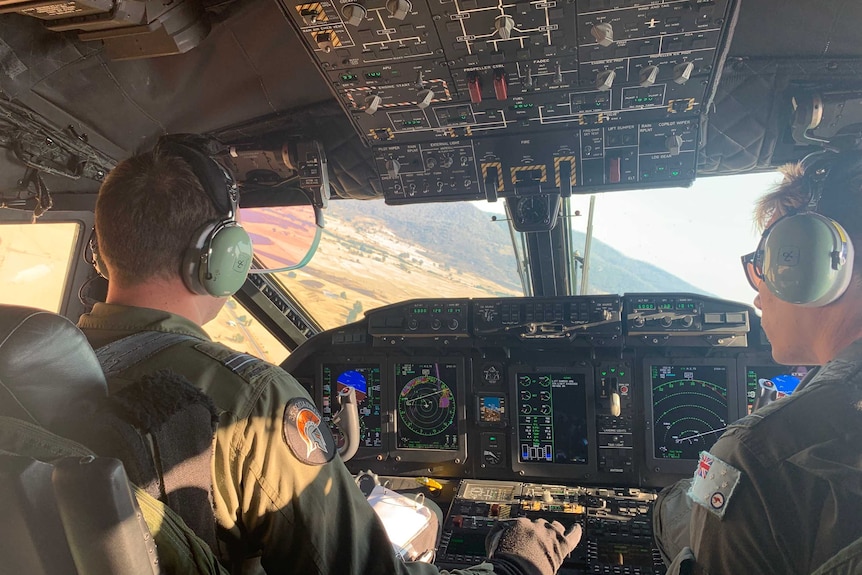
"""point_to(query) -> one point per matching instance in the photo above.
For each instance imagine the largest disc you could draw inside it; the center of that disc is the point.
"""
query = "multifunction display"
(767, 383)
(427, 405)
(552, 418)
(689, 408)
(365, 379)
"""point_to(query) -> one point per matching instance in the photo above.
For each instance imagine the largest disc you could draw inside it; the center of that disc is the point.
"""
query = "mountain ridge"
(436, 227)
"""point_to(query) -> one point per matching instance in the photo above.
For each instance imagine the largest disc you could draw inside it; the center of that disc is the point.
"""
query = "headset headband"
(214, 178)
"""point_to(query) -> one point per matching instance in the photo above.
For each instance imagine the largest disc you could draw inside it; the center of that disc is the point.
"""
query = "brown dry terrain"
(361, 265)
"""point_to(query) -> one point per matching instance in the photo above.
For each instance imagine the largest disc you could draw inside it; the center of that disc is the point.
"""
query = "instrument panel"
(480, 99)
(597, 390)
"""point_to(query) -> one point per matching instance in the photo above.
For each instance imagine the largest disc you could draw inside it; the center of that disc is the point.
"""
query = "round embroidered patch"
(717, 500)
(306, 433)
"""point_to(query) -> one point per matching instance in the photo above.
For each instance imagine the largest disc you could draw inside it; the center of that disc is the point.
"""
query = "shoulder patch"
(306, 434)
(713, 484)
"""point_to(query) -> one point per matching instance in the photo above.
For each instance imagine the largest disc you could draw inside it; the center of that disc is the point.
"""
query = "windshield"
(674, 240)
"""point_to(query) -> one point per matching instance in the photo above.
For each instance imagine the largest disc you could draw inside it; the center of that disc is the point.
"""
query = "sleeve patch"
(713, 484)
(306, 433)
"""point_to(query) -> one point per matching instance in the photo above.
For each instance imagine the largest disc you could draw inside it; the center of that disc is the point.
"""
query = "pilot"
(781, 490)
(283, 500)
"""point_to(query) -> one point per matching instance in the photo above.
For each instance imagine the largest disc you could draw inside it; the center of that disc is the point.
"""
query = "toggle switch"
(324, 41)
(614, 170)
(474, 87)
(501, 85)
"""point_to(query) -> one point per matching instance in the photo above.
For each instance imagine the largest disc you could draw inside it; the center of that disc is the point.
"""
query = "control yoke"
(347, 421)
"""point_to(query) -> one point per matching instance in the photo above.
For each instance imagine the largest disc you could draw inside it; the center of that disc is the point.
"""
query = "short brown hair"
(149, 209)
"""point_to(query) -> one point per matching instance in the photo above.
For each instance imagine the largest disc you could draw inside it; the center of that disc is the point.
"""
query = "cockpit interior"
(552, 400)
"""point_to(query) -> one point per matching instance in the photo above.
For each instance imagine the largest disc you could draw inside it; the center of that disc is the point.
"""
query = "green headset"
(218, 257)
(806, 258)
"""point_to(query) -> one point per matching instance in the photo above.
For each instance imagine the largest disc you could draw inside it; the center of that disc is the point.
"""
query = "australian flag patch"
(713, 484)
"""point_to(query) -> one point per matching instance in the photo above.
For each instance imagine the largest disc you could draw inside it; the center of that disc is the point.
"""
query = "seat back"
(73, 515)
(47, 368)
(160, 427)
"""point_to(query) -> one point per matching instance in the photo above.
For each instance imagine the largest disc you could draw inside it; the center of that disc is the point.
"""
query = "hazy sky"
(696, 233)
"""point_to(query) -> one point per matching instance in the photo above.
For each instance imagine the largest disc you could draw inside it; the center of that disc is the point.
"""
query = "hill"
(372, 254)
(464, 237)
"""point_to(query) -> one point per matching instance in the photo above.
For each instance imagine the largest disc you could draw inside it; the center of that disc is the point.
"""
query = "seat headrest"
(48, 371)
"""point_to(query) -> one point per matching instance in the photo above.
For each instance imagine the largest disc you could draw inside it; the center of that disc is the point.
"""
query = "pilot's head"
(147, 210)
(166, 223)
(808, 282)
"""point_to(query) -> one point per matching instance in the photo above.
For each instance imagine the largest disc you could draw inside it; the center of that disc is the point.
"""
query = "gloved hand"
(524, 547)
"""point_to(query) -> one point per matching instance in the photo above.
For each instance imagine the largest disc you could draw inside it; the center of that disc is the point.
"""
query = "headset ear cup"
(801, 263)
(218, 260)
(230, 254)
(195, 259)
(98, 264)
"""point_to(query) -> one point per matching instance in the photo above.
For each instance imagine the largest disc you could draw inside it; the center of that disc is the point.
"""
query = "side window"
(236, 328)
(35, 260)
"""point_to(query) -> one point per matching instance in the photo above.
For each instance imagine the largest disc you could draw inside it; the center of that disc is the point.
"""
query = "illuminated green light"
(674, 172)
(348, 77)
(521, 106)
(408, 123)
(373, 74)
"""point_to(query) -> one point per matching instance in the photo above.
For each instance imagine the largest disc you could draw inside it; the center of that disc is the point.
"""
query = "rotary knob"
(423, 98)
(603, 33)
(393, 168)
(503, 25)
(648, 76)
(605, 80)
(354, 13)
(372, 103)
(399, 9)
(682, 72)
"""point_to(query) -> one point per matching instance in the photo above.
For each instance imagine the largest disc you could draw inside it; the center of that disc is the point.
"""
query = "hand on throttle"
(524, 547)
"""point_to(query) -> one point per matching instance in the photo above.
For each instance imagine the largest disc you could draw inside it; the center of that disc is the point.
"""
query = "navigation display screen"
(427, 409)
(365, 379)
(552, 418)
(689, 408)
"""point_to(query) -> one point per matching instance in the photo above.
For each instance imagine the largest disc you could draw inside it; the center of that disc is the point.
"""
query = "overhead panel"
(473, 99)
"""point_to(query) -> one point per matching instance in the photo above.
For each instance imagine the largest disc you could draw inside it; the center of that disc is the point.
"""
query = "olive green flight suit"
(798, 501)
(297, 517)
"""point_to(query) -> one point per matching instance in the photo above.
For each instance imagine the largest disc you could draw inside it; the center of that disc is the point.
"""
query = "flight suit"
(791, 497)
(298, 514)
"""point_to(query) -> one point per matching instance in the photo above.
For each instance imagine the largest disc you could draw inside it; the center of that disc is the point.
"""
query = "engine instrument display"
(365, 379)
(552, 418)
(427, 405)
(689, 408)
